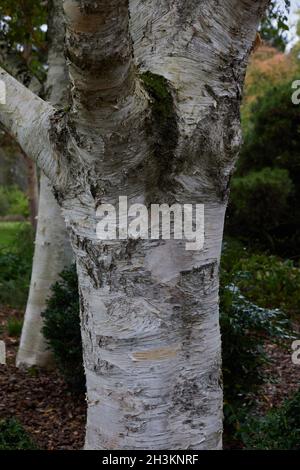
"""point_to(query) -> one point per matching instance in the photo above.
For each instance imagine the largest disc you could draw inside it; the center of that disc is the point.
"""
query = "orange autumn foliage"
(267, 67)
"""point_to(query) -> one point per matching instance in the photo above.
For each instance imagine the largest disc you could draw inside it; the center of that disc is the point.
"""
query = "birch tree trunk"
(52, 247)
(155, 117)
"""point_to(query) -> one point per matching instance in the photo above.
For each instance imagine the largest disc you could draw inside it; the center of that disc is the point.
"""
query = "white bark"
(52, 247)
(152, 344)
(27, 118)
(149, 309)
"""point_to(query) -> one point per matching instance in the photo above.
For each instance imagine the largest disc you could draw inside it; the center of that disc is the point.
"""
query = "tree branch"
(28, 119)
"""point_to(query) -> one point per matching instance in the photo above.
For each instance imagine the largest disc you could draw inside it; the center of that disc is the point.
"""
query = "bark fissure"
(163, 132)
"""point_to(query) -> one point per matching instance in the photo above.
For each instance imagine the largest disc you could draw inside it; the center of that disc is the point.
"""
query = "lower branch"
(27, 118)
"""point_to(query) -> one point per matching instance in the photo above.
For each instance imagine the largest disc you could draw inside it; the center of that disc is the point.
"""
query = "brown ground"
(39, 400)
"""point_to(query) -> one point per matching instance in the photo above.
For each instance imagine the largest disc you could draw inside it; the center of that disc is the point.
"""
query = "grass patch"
(14, 437)
(14, 327)
(8, 232)
(16, 252)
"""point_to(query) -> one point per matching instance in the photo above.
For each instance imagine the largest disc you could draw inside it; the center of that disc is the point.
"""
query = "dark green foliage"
(14, 327)
(244, 328)
(21, 26)
(269, 282)
(278, 430)
(259, 203)
(273, 137)
(15, 267)
(270, 166)
(62, 328)
(14, 437)
(249, 280)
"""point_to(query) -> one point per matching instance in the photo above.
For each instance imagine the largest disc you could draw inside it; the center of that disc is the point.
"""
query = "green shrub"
(270, 282)
(14, 437)
(4, 204)
(15, 267)
(272, 138)
(14, 327)
(245, 327)
(266, 280)
(278, 430)
(265, 208)
(62, 328)
(8, 233)
(259, 203)
(13, 201)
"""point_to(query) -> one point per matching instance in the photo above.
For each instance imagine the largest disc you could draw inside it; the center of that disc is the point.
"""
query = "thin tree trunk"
(52, 253)
(52, 247)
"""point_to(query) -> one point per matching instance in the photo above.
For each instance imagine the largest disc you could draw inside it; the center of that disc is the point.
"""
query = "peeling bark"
(149, 309)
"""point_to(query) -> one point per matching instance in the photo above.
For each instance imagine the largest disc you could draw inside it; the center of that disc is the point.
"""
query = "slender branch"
(29, 120)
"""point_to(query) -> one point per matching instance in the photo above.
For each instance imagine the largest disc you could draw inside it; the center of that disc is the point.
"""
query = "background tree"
(52, 248)
(24, 54)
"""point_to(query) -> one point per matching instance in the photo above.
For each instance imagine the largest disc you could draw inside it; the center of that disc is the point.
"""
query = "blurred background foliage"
(264, 209)
(260, 275)
(23, 34)
(23, 30)
(274, 26)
